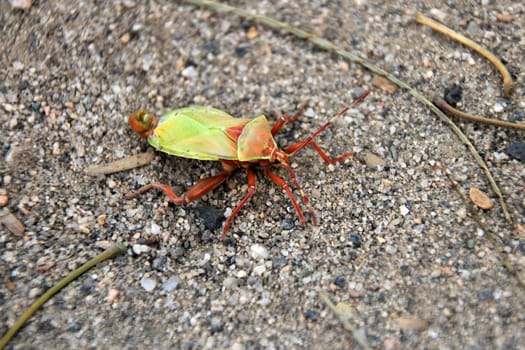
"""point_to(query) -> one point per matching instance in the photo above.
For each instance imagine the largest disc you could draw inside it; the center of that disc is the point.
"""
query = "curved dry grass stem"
(441, 103)
(329, 46)
(508, 86)
(117, 249)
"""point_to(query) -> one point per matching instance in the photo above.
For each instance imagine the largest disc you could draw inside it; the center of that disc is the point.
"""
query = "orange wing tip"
(143, 123)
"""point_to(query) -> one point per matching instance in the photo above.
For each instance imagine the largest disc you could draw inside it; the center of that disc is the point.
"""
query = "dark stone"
(453, 95)
(516, 151)
(355, 240)
(311, 315)
(340, 281)
(210, 216)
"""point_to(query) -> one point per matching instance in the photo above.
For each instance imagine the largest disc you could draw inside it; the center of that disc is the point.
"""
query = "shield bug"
(207, 133)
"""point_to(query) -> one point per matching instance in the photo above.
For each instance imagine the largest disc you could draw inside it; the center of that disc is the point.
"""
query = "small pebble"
(498, 108)
(265, 302)
(355, 240)
(18, 66)
(259, 269)
(241, 274)
(390, 249)
(34, 292)
(148, 284)
(189, 72)
(259, 251)
(230, 282)
(3, 197)
(403, 210)
(340, 281)
(419, 229)
(252, 33)
(372, 160)
(485, 294)
(112, 295)
(124, 39)
(140, 248)
(473, 29)
(516, 151)
(438, 14)
(287, 224)
(158, 263)
(412, 324)
(453, 94)
(155, 229)
(21, 4)
(504, 18)
(11, 222)
(384, 84)
(435, 273)
(171, 284)
(480, 199)
(311, 315)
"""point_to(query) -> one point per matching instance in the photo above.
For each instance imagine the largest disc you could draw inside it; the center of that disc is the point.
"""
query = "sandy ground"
(393, 241)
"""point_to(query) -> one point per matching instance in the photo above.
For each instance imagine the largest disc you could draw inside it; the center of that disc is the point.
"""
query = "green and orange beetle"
(207, 133)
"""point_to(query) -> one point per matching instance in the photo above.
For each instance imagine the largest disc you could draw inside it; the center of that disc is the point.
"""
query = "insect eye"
(142, 122)
(143, 117)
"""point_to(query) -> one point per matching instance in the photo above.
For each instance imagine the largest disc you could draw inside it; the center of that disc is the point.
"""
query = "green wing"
(197, 132)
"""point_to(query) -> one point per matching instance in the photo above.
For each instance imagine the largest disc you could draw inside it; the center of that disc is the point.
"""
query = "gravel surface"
(394, 241)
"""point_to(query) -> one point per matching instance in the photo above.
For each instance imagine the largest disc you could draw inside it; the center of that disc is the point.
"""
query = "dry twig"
(507, 79)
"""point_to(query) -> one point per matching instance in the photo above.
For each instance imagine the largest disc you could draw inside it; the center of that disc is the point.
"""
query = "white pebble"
(148, 284)
(390, 249)
(259, 270)
(189, 72)
(140, 248)
(171, 284)
(155, 229)
(265, 302)
(438, 14)
(403, 210)
(498, 108)
(19, 66)
(498, 157)
(34, 292)
(230, 282)
(259, 251)
(309, 112)
(241, 274)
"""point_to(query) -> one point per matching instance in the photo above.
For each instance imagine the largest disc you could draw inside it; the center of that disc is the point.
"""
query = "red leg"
(280, 182)
(251, 191)
(327, 159)
(287, 119)
(202, 187)
(306, 200)
(296, 147)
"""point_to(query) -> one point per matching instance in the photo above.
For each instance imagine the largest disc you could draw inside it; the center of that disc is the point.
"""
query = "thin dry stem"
(507, 79)
(441, 103)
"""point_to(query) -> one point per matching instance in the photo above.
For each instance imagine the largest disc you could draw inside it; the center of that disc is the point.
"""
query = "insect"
(207, 133)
